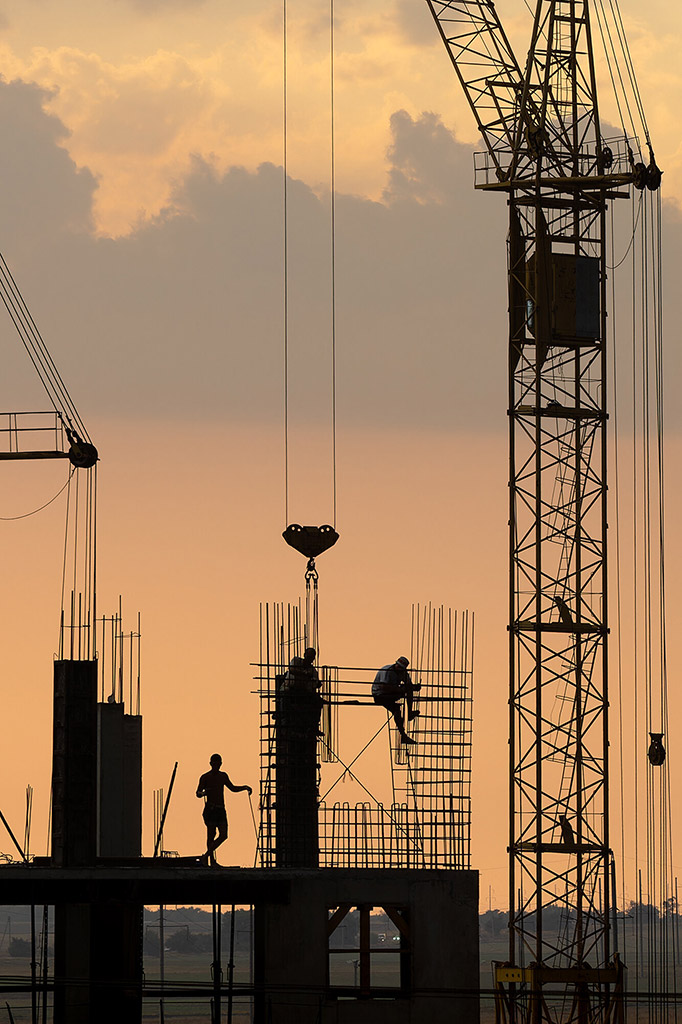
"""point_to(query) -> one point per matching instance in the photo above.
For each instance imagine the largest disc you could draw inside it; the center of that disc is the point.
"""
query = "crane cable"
(25, 515)
(35, 346)
(285, 208)
(79, 569)
(611, 54)
(285, 202)
(649, 633)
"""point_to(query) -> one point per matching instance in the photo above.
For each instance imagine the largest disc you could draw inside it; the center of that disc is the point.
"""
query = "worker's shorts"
(387, 700)
(215, 817)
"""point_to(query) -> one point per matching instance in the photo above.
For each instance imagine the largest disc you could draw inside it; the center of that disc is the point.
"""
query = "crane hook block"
(311, 541)
(82, 455)
(656, 749)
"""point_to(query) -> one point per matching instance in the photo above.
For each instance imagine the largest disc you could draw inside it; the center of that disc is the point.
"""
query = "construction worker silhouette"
(301, 676)
(391, 684)
(212, 787)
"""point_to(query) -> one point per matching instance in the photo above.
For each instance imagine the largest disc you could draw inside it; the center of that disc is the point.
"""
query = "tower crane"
(546, 152)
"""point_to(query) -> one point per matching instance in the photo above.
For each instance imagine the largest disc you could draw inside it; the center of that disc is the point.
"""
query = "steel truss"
(544, 148)
(561, 176)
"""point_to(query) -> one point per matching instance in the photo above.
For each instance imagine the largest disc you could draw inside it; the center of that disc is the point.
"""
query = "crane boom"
(487, 70)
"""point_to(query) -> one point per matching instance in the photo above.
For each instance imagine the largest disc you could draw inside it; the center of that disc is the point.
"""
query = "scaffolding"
(424, 821)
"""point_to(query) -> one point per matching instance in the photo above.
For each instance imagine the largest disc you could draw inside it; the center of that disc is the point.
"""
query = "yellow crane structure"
(546, 151)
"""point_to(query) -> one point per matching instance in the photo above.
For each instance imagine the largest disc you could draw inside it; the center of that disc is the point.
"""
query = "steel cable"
(10, 519)
(285, 242)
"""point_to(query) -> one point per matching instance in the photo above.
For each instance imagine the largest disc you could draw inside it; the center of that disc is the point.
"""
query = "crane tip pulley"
(82, 454)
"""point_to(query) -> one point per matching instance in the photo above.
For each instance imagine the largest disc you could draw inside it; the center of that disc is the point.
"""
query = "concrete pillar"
(98, 963)
(132, 786)
(110, 763)
(74, 764)
(96, 761)
(297, 718)
(119, 781)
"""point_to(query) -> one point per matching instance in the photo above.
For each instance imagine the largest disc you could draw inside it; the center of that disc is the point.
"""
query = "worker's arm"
(200, 790)
(236, 789)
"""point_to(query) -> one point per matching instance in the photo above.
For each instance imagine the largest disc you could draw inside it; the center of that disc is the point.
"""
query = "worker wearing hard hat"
(391, 684)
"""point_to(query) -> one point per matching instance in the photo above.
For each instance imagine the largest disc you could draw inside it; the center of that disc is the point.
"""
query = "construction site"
(365, 902)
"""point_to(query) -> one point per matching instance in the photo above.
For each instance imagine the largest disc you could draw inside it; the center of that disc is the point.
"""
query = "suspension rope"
(333, 243)
(630, 67)
(10, 519)
(332, 251)
(614, 265)
(619, 617)
(38, 353)
(610, 51)
(285, 199)
(80, 567)
(656, 935)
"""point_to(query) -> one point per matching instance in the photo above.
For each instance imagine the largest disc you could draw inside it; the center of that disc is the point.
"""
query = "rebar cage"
(425, 819)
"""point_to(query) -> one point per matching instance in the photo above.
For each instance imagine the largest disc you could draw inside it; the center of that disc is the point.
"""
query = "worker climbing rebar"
(392, 684)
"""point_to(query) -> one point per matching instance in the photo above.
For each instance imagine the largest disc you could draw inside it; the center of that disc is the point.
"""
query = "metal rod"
(230, 969)
(162, 957)
(165, 811)
(12, 836)
(44, 959)
(34, 976)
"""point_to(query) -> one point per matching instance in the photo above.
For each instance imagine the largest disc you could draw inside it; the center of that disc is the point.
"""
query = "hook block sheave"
(310, 541)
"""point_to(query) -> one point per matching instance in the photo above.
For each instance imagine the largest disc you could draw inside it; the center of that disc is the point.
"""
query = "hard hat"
(403, 661)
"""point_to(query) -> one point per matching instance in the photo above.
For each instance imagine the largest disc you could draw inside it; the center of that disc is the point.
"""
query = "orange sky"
(166, 322)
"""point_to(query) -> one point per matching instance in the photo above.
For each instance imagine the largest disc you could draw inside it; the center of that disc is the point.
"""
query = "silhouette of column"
(297, 718)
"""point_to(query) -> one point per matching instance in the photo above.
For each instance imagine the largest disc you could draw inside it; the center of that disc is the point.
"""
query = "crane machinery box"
(573, 287)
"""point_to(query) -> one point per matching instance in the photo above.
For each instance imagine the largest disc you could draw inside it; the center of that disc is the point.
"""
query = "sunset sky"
(141, 214)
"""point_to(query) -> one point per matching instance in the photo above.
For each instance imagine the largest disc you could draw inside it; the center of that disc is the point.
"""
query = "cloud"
(34, 141)
(184, 317)
(139, 102)
(155, 6)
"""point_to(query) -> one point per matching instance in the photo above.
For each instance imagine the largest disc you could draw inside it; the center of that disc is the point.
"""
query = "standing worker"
(391, 684)
(212, 786)
(302, 676)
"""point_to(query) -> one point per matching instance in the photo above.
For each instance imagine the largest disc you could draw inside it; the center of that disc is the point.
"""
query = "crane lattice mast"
(546, 151)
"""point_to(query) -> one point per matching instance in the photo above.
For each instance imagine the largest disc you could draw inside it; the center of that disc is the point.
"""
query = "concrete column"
(297, 718)
(74, 764)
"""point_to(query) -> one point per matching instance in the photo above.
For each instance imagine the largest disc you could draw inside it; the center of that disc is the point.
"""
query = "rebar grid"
(426, 822)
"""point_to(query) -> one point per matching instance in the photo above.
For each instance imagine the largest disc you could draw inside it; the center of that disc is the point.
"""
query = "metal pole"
(165, 811)
(230, 969)
(217, 957)
(34, 991)
(12, 836)
(44, 954)
(162, 959)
